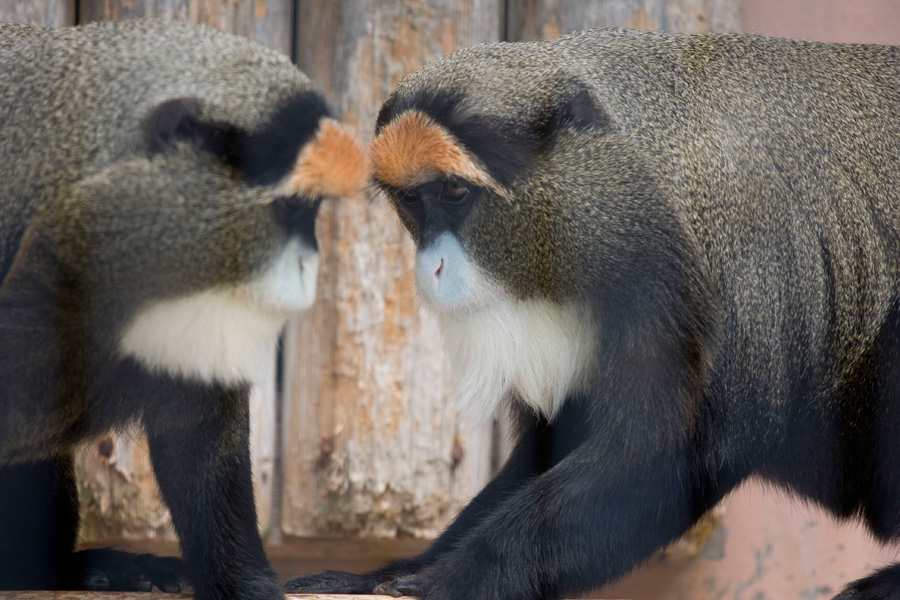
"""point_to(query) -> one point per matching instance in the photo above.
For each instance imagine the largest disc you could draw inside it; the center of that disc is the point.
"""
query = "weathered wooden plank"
(547, 19)
(266, 21)
(48, 13)
(374, 443)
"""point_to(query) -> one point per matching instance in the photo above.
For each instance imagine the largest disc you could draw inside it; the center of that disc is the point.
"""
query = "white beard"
(224, 335)
(536, 350)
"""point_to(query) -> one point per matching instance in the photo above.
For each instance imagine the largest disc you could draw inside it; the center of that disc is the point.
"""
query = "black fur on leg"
(36, 546)
(199, 446)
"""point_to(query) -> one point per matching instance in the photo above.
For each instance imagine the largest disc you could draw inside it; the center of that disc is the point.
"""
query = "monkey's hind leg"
(38, 531)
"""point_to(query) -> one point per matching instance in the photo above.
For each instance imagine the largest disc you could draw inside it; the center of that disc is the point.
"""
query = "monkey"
(157, 228)
(677, 257)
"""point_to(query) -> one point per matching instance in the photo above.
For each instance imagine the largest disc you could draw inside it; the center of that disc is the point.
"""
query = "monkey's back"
(783, 157)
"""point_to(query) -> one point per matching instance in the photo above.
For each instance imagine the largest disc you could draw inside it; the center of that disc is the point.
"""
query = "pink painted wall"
(769, 546)
(865, 21)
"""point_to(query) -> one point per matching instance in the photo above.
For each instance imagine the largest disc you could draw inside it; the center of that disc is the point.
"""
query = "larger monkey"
(157, 207)
(680, 257)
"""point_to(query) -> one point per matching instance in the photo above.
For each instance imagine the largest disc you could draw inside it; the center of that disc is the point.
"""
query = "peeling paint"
(715, 547)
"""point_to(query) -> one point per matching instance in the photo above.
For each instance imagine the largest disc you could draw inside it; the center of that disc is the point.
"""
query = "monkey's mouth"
(447, 280)
(289, 283)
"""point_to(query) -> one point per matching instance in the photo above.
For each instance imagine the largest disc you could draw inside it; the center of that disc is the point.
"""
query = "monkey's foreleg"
(581, 524)
(199, 446)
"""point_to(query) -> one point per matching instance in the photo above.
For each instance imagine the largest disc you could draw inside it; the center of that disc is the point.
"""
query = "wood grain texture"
(374, 441)
(547, 19)
(47, 13)
(265, 21)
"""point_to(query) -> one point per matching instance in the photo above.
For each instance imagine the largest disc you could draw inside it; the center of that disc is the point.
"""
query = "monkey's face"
(438, 213)
(467, 161)
(437, 190)
(200, 249)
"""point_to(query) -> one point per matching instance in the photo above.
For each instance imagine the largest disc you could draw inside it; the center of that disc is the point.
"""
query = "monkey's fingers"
(104, 569)
(165, 572)
(408, 585)
(331, 582)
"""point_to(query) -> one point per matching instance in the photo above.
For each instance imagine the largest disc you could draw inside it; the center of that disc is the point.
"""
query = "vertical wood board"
(265, 21)
(46, 13)
(374, 443)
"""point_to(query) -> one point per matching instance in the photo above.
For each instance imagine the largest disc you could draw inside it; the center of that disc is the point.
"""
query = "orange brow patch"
(333, 164)
(413, 148)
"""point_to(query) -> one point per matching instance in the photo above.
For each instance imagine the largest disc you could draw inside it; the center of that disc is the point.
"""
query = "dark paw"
(408, 585)
(881, 585)
(105, 570)
(331, 582)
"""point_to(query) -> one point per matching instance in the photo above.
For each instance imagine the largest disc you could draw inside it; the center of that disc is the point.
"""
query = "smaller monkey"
(157, 227)
(678, 256)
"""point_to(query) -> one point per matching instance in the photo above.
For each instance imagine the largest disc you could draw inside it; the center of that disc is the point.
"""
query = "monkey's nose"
(440, 268)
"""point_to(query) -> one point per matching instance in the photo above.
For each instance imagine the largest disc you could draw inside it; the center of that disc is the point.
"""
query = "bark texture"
(374, 443)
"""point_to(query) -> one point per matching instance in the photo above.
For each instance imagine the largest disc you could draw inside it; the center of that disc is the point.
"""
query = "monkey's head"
(484, 155)
(185, 226)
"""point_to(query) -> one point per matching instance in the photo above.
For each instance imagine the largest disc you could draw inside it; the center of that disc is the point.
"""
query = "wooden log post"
(374, 442)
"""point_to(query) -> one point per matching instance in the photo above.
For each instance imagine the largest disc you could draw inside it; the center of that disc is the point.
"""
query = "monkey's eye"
(454, 192)
(456, 199)
(409, 198)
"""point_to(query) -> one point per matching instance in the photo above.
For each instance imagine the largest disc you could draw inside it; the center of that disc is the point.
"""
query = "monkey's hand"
(334, 582)
(104, 569)
(408, 585)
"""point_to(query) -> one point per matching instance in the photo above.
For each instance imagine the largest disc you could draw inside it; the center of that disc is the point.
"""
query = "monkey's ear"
(173, 121)
(577, 109)
(179, 120)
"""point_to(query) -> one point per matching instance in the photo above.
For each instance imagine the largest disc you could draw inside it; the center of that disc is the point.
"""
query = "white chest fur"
(538, 350)
(224, 335)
